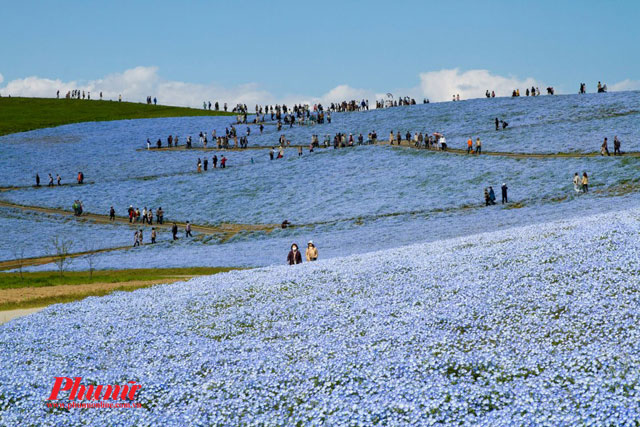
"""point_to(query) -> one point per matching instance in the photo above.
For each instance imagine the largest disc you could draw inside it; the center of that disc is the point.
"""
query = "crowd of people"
(435, 141)
(77, 94)
(145, 216)
(58, 180)
(50, 183)
(221, 142)
(390, 102)
(533, 92)
(317, 114)
(204, 165)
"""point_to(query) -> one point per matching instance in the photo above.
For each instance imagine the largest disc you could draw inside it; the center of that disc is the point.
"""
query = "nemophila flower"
(534, 325)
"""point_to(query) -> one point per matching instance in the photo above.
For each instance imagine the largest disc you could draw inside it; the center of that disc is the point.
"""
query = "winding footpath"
(225, 230)
(410, 144)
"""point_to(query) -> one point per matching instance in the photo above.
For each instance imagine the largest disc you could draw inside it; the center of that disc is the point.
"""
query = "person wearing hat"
(504, 193)
(294, 256)
(312, 251)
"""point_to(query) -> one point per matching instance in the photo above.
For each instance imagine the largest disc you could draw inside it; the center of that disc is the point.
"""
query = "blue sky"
(308, 48)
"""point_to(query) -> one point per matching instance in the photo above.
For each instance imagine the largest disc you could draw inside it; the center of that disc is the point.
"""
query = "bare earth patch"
(45, 293)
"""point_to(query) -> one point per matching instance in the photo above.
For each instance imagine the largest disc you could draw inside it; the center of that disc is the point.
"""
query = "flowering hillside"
(529, 325)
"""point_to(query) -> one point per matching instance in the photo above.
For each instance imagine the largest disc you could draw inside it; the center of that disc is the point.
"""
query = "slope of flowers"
(534, 325)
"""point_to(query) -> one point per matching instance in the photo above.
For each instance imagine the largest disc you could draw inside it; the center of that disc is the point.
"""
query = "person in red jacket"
(294, 256)
(223, 162)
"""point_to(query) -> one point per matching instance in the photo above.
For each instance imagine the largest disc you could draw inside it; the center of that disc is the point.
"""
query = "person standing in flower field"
(616, 146)
(312, 251)
(160, 215)
(294, 256)
(504, 193)
(585, 183)
(576, 183)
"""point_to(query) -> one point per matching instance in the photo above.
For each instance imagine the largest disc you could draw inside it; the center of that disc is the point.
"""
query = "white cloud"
(441, 85)
(137, 83)
(625, 85)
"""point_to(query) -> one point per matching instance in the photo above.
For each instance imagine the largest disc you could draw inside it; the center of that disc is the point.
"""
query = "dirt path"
(32, 295)
(46, 259)
(8, 315)
(224, 230)
(24, 187)
(214, 148)
(411, 144)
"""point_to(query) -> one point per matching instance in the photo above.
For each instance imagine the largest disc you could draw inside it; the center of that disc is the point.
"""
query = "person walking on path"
(215, 161)
(604, 148)
(504, 193)
(223, 162)
(487, 199)
(616, 146)
(136, 241)
(153, 235)
(585, 183)
(294, 256)
(58, 180)
(174, 231)
(492, 196)
(199, 165)
(469, 146)
(312, 252)
(160, 215)
(577, 185)
(478, 146)
(50, 181)
(37, 180)
(112, 214)
(187, 230)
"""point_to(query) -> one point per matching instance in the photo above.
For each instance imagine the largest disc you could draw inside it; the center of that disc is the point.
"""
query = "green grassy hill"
(23, 114)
